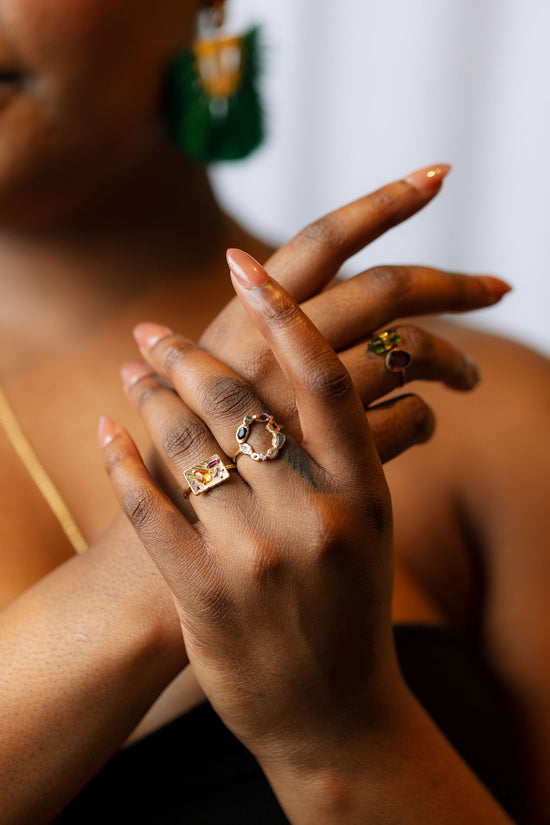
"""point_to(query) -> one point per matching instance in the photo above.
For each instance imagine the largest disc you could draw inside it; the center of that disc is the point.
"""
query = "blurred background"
(359, 93)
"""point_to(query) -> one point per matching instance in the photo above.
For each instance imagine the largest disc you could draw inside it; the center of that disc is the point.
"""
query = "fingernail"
(429, 178)
(148, 334)
(246, 269)
(495, 287)
(132, 371)
(106, 431)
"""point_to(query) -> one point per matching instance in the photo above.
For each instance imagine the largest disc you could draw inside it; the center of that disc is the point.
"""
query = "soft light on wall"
(359, 93)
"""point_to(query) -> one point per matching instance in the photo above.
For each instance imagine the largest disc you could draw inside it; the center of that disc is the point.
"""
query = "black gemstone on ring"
(242, 432)
(397, 360)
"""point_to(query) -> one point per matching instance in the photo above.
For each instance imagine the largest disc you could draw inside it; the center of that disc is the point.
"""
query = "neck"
(161, 225)
(163, 211)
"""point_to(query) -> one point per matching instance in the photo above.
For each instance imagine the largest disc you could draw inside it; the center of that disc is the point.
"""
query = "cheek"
(96, 52)
(95, 70)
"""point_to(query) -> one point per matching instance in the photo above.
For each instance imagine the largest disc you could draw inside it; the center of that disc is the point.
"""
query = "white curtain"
(359, 93)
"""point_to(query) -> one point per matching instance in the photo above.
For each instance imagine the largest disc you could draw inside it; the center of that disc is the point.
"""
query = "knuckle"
(266, 567)
(281, 313)
(384, 200)
(115, 458)
(327, 378)
(325, 233)
(226, 398)
(144, 390)
(419, 342)
(460, 293)
(174, 351)
(178, 439)
(392, 283)
(387, 204)
(140, 505)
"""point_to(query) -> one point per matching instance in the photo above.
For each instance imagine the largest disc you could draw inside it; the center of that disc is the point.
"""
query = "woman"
(104, 224)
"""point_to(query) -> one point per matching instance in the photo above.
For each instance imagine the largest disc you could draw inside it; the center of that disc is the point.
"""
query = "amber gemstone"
(204, 476)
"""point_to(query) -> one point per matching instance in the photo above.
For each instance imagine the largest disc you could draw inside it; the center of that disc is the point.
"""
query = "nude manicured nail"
(495, 286)
(246, 269)
(132, 371)
(148, 334)
(106, 431)
(429, 178)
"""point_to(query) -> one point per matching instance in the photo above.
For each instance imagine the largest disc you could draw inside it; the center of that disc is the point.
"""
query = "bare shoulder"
(472, 512)
(485, 475)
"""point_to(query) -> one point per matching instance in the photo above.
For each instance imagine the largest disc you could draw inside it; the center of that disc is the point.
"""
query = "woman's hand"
(283, 586)
(352, 311)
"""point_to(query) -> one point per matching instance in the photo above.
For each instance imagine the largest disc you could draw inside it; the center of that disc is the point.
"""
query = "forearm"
(83, 654)
(402, 771)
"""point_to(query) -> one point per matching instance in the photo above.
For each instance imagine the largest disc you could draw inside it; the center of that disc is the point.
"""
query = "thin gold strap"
(39, 475)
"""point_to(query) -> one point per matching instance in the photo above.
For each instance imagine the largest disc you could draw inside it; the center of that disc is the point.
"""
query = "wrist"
(144, 605)
(324, 778)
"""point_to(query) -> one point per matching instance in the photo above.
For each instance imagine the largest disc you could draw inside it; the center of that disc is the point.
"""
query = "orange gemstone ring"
(207, 474)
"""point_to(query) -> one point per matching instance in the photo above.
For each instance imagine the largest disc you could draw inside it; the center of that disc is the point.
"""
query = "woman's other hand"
(352, 311)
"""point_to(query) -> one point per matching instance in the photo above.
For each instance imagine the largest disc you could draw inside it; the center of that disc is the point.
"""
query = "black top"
(194, 771)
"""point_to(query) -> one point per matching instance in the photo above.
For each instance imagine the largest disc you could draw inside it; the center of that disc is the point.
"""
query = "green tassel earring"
(213, 107)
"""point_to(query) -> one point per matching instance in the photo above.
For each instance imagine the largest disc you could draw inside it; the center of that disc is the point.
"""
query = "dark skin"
(83, 259)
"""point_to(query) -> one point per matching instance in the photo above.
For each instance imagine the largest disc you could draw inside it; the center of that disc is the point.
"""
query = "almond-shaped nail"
(246, 269)
(429, 178)
(149, 333)
(106, 431)
(495, 287)
(133, 371)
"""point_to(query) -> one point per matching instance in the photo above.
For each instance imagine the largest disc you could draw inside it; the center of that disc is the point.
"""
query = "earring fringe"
(214, 111)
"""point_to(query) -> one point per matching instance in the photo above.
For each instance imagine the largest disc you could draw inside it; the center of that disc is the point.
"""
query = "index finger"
(314, 256)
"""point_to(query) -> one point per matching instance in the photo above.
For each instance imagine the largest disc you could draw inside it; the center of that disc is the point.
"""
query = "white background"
(359, 93)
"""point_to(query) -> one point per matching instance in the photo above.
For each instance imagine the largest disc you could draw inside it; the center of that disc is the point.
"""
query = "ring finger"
(403, 354)
(186, 445)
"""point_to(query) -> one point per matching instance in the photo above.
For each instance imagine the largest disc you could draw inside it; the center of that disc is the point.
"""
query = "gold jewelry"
(219, 57)
(278, 438)
(39, 475)
(397, 360)
(384, 342)
(207, 474)
(212, 101)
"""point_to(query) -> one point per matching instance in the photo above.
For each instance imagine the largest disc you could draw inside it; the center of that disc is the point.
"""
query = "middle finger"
(377, 296)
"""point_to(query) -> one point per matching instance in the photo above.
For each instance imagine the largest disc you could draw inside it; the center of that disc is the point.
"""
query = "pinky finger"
(171, 541)
(400, 423)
